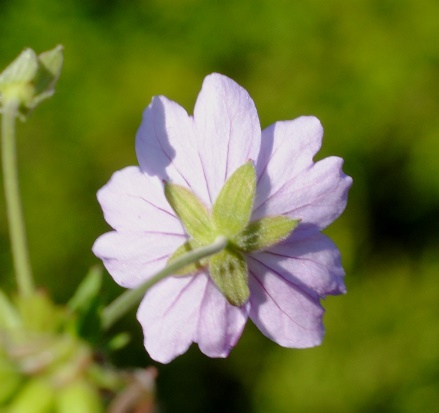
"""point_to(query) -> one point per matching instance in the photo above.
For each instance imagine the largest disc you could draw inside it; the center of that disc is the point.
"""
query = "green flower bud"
(29, 79)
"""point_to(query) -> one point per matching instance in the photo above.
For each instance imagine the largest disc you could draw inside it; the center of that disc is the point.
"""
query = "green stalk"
(130, 298)
(13, 204)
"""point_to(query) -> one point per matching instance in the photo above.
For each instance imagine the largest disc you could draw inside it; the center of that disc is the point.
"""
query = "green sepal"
(49, 70)
(265, 232)
(233, 207)
(193, 213)
(228, 271)
(22, 70)
(188, 246)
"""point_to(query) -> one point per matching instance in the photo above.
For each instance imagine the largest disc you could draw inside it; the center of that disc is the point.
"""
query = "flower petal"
(166, 147)
(317, 196)
(131, 258)
(133, 201)
(169, 315)
(200, 153)
(227, 130)
(282, 311)
(291, 184)
(312, 263)
(220, 324)
(287, 148)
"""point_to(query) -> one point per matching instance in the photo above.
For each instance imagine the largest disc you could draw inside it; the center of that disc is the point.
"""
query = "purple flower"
(201, 152)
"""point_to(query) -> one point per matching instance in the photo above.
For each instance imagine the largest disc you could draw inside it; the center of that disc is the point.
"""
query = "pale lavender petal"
(133, 257)
(312, 263)
(317, 196)
(220, 324)
(169, 315)
(133, 201)
(287, 148)
(291, 184)
(282, 311)
(227, 130)
(166, 146)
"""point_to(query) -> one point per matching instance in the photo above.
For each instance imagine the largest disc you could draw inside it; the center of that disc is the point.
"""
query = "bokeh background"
(369, 69)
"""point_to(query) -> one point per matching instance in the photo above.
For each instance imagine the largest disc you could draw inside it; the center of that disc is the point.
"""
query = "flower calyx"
(229, 217)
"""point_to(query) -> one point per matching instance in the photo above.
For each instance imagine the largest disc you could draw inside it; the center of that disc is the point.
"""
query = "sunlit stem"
(13, 204)
(130, 298)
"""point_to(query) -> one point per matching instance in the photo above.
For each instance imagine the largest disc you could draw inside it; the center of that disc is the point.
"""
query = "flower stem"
(13, 204)
(130, 298)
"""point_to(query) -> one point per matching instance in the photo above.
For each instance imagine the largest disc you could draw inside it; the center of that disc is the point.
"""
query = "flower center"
(230, 217)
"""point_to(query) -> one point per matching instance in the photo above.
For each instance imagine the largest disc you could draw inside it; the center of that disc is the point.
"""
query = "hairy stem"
(130, 298)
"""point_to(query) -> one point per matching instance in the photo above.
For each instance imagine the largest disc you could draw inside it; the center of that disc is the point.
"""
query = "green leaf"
(265, 232)
(228, 270)
(233, 207)
(184, 249)
(192, 212)
(87, 291)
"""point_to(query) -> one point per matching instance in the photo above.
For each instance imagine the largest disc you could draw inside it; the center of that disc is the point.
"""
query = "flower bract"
(216, 173)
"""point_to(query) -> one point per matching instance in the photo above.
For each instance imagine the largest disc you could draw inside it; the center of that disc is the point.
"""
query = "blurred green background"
(369, 69)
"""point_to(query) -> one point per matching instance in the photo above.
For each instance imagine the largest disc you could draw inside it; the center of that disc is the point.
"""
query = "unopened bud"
(29, 79)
